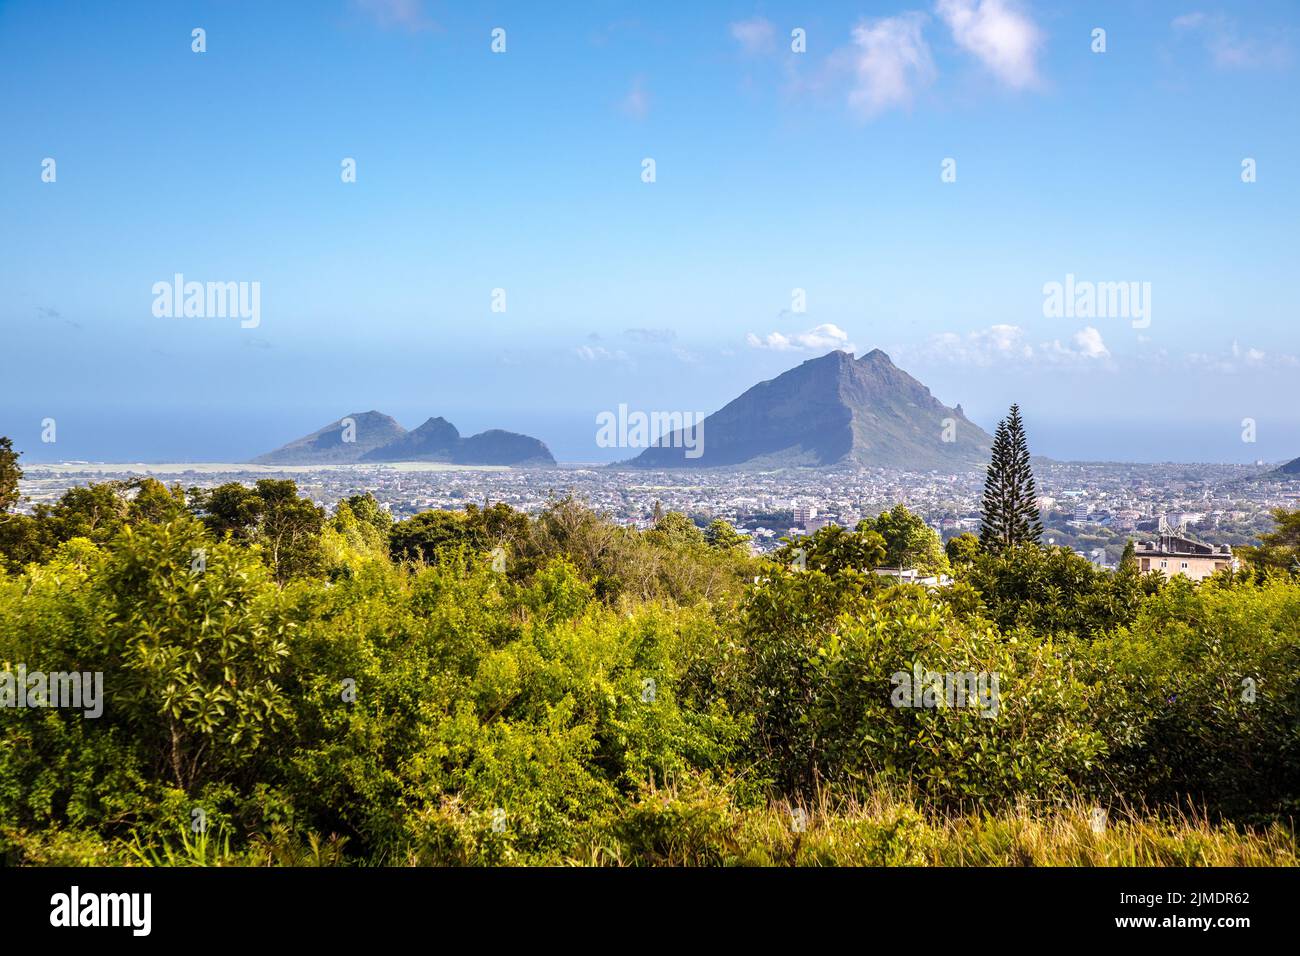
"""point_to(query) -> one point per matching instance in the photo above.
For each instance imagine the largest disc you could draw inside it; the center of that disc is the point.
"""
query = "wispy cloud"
(754, 36)
(999, 34)
(1227, 47)
(650, 335)
(636, 103)
(51, 314)
(408, 15)
(598, 353)
(1239, 359)
(1009, 345)
(825, 336)
(890, 61)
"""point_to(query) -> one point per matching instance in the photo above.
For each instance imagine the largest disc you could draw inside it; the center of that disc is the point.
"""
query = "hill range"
(834, 410)
(365, 437)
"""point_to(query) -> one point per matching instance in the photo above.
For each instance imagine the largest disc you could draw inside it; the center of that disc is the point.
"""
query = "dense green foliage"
(10, 473)
(1279, 548)
(483, 686)
(909, 542)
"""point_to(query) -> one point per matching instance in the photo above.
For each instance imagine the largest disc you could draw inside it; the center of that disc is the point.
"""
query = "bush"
(616, 696)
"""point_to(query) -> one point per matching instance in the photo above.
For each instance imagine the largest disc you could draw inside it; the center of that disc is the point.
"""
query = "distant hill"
(432, 441)
(833, 410)
(326, 446)
(1290, 469)
(374, 437)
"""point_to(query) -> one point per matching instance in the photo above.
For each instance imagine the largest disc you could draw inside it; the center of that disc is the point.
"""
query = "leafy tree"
(358, 530)
(498, 526)
(1010, 515)
(367, 509)
(155, 502)
(722, 536)
(272, 515)
(426, 535)
(18, 534)
(909, 542)
(963, 549)
(194, 650)
(21, 540)
(1279, 548)
(788, 616)
(227, 510)
(834, 550)
(95, 512)
(10, 474)
(1054, 590)
(676, 528)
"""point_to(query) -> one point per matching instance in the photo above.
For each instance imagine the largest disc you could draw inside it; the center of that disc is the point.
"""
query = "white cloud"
(1086, 348)
(598, 353)
(1090, 344)
(1240, 359)
(996, 32)
(825, 336)
(983, 347)
(1001, 346)
(754, 36)
(1189, 21)
(1227, 48)
(890, 61)
(1250, 356)
(406, 15)
(1007, 344)
(637, 101)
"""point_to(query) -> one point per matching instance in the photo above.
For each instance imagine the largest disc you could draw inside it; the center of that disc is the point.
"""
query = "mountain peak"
(346, 440)
(375, 437)
(830, 410)
(833, 357)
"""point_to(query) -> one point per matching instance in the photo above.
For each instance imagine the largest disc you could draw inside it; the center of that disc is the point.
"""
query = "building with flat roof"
(1171, 555)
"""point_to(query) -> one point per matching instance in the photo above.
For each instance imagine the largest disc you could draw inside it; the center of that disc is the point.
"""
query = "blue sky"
(522, 171)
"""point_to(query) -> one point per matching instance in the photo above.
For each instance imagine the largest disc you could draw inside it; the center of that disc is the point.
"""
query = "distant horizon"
(561, 463)
(577, 431)
(31, 456)
(381, 206)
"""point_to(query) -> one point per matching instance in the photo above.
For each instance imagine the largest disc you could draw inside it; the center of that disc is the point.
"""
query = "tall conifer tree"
(1010, 515)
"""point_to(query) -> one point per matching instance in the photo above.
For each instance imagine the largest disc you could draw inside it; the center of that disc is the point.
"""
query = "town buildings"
(1172, 555)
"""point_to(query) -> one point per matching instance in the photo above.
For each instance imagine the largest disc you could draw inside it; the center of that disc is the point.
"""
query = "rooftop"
(1171, 544)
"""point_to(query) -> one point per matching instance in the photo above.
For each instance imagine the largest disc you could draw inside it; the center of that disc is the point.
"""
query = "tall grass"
(702, 828)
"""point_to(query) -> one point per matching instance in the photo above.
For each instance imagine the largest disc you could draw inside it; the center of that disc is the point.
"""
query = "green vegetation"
(1010, 516)
(486, 687)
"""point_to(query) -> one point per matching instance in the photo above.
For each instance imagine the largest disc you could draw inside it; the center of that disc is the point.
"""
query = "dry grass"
(702, 828)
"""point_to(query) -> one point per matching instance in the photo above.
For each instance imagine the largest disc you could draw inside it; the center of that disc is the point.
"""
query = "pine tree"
(1010, 516)
(1128, 561)
(993, 529)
